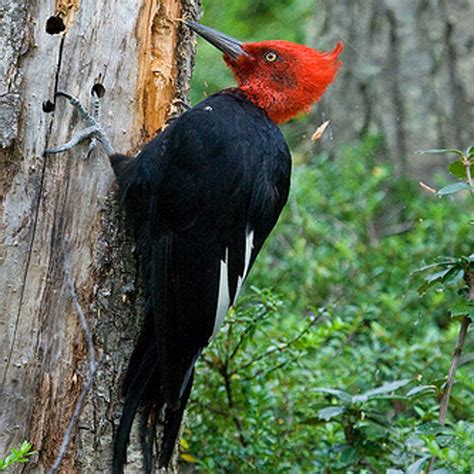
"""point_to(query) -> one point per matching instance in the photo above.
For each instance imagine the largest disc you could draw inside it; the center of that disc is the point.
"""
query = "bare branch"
(280, 348)
(249, 327)
(443, 407)
(90, 378)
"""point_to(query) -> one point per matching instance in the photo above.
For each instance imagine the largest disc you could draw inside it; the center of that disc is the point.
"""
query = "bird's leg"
(93, 130)
(96, 117)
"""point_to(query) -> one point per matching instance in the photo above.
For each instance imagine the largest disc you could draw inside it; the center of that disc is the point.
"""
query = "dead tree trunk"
(59, 218)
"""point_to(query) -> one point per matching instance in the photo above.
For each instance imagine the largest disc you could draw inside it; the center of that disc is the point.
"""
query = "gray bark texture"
(407, 74)
(60, 221)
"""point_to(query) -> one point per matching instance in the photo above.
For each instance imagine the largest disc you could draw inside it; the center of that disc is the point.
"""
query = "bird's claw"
(93, 130)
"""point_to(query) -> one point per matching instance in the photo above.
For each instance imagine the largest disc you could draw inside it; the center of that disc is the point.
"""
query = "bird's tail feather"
(149, 420)
(123, 434)
(141, 388)
(172, 424)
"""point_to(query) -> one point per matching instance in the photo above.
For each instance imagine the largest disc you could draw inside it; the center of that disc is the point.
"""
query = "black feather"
(193, 194)
(172, 424)
(140, 390)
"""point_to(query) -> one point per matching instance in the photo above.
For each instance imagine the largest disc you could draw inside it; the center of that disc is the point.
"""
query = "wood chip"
(320, 131)
(427, 188)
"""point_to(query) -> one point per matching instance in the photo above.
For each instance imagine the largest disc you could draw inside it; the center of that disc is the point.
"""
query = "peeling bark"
(157, 36)
(59, 214)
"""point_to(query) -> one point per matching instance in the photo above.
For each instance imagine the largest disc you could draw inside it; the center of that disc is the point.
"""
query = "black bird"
(203, 197)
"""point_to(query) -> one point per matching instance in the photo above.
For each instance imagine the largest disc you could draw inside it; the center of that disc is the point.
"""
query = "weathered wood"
(407, 74)
(58, 214)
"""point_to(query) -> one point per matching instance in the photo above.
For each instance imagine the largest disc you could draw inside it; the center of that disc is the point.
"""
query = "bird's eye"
(271, 56)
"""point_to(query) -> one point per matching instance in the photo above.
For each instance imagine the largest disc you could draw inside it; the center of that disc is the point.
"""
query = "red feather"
(289, 85)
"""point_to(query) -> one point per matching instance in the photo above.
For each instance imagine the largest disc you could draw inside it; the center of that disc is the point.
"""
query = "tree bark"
(406, 76)
(59, 215)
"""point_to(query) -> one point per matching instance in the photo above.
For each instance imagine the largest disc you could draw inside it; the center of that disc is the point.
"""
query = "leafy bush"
(20, 455)
(333, 362)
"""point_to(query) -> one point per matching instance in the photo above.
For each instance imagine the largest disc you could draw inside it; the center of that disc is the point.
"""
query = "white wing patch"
(248, 256)
(223, 300)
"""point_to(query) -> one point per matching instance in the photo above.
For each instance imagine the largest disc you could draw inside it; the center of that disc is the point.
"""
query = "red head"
(281, 77)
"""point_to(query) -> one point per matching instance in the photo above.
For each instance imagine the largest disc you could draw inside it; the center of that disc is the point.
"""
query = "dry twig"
(90, 378)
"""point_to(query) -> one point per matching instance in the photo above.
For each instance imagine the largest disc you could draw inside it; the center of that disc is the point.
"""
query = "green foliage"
(460, 272)
(20, 455)
(333, 362)
(460, 168)
(447, 271)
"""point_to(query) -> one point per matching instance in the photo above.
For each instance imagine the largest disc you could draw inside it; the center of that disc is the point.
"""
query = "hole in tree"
(48, 106)
(98, 89)
(55, 25)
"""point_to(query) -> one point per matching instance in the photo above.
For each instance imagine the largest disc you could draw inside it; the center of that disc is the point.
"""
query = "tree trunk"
(60, 222)
(407, 74)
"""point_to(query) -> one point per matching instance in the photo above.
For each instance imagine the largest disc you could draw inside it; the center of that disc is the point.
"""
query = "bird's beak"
(225, 43)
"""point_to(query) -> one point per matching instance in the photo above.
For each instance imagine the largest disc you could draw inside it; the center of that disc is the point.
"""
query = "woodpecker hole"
(48, 107)
(55, 25)
(98, 90)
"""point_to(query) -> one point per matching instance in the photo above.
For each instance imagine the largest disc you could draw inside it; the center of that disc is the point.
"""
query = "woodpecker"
(203, 197)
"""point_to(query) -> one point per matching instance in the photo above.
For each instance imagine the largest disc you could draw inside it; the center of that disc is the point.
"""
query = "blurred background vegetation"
(333, 361)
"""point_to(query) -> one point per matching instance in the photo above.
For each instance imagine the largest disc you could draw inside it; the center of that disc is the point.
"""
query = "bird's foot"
(93, 131)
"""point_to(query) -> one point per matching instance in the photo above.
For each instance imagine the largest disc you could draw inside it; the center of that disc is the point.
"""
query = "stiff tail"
(171, 425)
(143, 392)
(140, 389)
(123, 434)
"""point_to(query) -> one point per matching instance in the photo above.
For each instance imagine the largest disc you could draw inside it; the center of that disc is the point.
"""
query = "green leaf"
(432, 428)
(438, 275)
(454, 277)
(19, 455)
(416, 467)
(347, 397)
(401, 398)
(444, 440)
(463, 308)
(444, 262)
(440, 151)
(10, 459)
(385, 388)
(313, 421)
(448, 275)
(189, 458)
(470, 152)
(453, 188)
(422, 389)
(26, 446)
(330, 412)
(183, 444)
(349, 456)
(458, 169)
